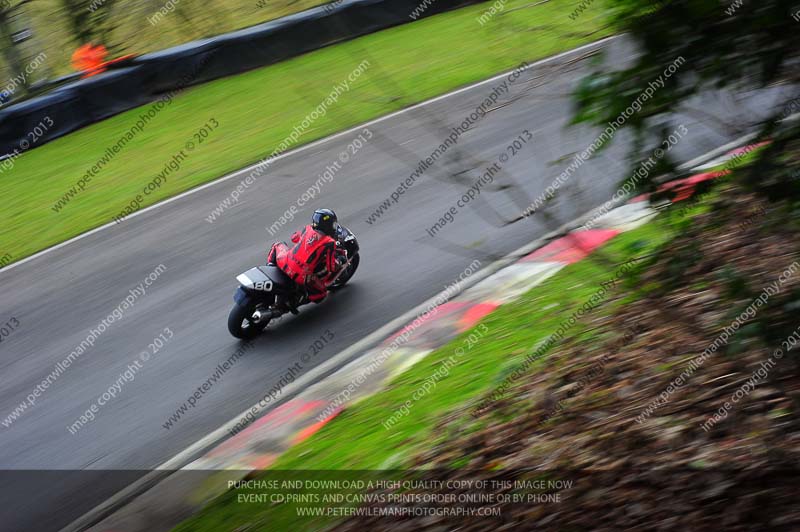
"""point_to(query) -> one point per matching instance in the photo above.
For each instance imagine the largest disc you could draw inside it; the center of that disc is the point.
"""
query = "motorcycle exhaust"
(268, 314)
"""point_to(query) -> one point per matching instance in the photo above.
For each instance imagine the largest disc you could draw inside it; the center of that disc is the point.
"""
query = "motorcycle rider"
(315, 258)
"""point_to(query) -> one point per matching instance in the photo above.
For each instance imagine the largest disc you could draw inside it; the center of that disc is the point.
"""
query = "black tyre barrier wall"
(84, 102)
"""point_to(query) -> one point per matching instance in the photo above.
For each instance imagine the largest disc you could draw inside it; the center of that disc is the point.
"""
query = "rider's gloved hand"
(341, 259)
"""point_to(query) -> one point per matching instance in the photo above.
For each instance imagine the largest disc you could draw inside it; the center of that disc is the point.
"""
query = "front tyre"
(347, 274)
(241, 323)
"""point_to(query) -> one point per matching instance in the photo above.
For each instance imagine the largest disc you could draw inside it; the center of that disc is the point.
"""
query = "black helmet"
(325, 221)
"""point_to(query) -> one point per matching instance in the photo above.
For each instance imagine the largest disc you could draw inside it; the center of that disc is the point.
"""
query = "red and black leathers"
(311, 262)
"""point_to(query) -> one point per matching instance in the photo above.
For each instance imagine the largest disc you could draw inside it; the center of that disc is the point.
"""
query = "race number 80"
(263, 285)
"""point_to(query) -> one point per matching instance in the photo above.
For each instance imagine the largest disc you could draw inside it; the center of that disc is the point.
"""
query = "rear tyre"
(240, 321)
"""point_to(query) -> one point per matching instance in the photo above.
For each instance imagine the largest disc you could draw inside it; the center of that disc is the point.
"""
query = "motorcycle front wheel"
(348, 273)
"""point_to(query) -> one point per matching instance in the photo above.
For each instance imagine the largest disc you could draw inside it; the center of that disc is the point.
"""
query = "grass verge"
(257, 110)
(357, 440)
(131, 32)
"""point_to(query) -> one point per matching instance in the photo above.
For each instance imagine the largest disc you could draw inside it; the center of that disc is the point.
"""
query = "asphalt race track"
(59, 296)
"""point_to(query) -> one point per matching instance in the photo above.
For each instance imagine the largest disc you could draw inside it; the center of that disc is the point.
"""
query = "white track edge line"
(300, 149)
(347, 355)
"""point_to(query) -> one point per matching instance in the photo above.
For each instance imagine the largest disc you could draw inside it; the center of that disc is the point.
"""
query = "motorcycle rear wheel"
(240, 321)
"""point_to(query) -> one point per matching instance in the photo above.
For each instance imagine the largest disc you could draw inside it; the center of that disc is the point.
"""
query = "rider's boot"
(286, 304)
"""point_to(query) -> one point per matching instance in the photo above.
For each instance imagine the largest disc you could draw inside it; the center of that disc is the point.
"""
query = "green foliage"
(86, 18)
(723, 45)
